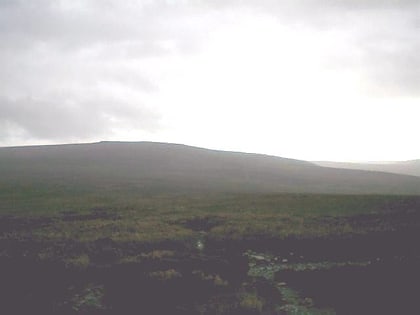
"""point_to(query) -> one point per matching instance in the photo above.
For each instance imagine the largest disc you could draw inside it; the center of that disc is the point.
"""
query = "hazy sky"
(316, 80)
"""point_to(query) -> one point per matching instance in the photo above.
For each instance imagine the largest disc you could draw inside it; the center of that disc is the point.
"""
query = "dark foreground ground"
(272, 254)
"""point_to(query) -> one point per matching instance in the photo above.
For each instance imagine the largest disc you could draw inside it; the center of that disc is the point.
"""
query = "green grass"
(142, 218)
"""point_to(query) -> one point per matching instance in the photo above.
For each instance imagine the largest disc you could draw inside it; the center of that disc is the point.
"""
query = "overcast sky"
(314, 80)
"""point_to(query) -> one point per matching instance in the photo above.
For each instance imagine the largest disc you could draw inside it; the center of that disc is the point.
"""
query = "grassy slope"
(155, 168)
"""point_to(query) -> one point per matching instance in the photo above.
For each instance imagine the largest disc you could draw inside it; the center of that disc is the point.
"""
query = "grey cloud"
(314, 6)
(393, 68)
(382, 36)
(29, 22)
(55, 53)
(74, 119)
(63, 68)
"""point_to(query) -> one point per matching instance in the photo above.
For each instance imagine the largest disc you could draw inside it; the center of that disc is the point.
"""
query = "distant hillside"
(403, 167)
(172, 168)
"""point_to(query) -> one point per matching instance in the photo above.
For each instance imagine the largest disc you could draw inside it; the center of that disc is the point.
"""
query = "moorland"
(153, 228)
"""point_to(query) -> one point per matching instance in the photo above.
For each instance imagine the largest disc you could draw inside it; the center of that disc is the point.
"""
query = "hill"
(411, 167)
(150, 167)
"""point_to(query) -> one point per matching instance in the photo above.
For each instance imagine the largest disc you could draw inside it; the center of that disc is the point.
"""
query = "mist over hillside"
(411, 167)
(173, 168)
